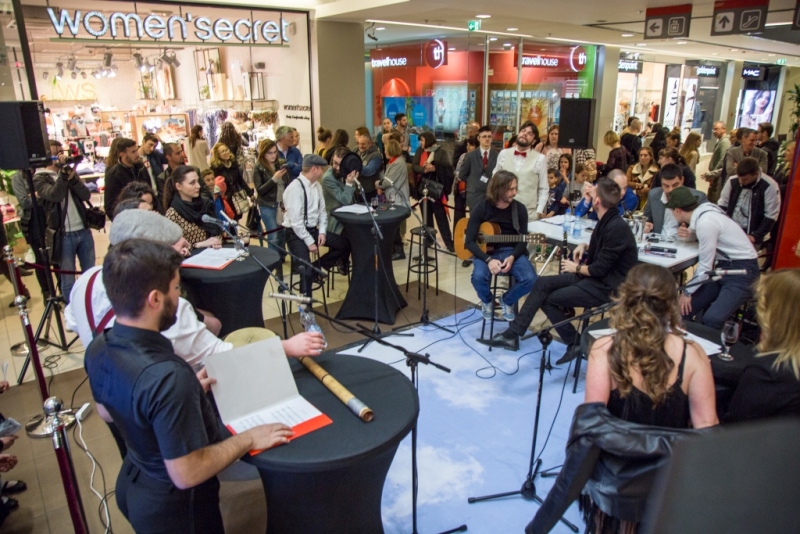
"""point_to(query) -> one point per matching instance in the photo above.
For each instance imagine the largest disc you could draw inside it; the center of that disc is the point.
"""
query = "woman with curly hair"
(223, 163)
(646, 372)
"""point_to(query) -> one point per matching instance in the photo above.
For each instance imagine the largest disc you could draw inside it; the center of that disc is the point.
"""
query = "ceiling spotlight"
(170, 58)
(452, 48)
(680, 42)
(59, 70)
(492, 38)
(771, 55)
(483, 16)
(107, 59)
(112, 71)
(641, 44)
(627, 35)
(83, 74)
(379, 29)
(72, 64)
(507, 45)
(511, 29)
(74, 75)
(149, 66)
(138, 62)
(97, 73)
(734, 49)
(715, 53)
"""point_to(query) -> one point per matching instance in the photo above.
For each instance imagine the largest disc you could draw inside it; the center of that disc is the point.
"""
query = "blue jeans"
(269, 216)
(80, 244)
(521, 270)
(718, 301)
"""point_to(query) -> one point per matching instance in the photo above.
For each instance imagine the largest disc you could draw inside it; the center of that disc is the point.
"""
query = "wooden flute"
(341, 392)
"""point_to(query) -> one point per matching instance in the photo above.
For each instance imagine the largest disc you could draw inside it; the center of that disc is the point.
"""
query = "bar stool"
(497, 293)
(331, 275)
(416, 263)
(316, 284)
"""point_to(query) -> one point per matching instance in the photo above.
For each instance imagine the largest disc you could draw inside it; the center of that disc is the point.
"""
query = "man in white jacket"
(530, 167)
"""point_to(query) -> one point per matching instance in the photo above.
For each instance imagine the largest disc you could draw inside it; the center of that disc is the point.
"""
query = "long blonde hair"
(216, 162)
(778, 296)
(689, 146)
(646, 311)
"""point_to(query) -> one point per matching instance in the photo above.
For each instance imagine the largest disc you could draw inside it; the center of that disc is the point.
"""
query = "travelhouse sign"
(176, 27)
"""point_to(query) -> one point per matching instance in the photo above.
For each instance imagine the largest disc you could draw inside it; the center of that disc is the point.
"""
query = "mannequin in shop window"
(185, 207)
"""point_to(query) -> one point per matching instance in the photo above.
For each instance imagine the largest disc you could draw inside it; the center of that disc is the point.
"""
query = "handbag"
(435, 189)
(240, 202)
(95, 217)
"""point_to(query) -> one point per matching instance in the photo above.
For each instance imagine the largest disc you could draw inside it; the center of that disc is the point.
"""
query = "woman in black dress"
(431, 162)
(223, 163)
(646, 372)
(771, 386)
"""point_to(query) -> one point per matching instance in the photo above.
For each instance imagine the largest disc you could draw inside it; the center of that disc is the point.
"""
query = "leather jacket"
(611, 460)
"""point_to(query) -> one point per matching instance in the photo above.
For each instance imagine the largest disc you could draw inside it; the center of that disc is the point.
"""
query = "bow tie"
(518, 153)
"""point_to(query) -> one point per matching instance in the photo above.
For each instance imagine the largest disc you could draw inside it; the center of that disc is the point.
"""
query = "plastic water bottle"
(577, 227)
(309, 322)
(567, 224)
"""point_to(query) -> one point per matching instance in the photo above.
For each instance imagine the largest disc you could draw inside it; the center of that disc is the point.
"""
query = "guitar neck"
(505, 238)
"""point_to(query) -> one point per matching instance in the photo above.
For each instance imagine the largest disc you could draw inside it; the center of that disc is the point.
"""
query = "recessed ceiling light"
(715, 53)
(641, 44)
(511, 29)
(452, 48)
(778, 24)
(680, 42)
(627, 35)
(379, 29)
(771, 55)
(483, 16)
(734, 49)
(506, 44)
(492, 38)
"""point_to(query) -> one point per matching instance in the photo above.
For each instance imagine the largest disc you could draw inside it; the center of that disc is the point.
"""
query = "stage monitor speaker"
(575, 124)
(23, 135)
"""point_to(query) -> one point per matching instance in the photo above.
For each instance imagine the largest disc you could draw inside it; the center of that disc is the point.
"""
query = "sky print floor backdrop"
(475, 433)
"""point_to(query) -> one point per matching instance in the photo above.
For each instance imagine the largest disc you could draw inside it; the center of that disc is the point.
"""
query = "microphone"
(228, 219)
(212, 220)
(293, 298)
(728, 272)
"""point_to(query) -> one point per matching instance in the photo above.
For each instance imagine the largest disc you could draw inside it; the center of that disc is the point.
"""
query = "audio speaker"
(575, 124)
(23, 136)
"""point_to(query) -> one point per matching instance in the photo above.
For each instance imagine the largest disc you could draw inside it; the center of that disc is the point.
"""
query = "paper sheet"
(211, 258)
(709, 347)
(255, 386)
(358, 209)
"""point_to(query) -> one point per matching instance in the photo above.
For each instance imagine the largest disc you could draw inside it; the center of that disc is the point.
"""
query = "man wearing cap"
(659, 218)
(306, 220)
(721, 239)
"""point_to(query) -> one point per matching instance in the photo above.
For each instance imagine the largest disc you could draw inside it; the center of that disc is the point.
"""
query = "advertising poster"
(536, 110)
(691, 109)
(757, 107)
(671, 107)
(450, 100)
(420, 112)
(392, 105)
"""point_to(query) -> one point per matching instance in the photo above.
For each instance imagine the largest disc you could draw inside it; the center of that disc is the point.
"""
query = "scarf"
(193, 212)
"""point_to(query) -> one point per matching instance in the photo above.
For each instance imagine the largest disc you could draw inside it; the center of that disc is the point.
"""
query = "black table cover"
(725, 373)
(360, 300)
(233, 294)
(331, 480)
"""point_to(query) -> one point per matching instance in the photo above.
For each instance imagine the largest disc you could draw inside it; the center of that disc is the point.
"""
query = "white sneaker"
(508, 311)
(486, 310)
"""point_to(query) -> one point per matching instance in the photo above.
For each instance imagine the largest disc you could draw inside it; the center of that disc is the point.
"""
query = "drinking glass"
(729, 337)
(391, 197)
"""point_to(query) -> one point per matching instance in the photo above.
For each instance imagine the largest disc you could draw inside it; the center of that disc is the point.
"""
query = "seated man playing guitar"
(501, 220)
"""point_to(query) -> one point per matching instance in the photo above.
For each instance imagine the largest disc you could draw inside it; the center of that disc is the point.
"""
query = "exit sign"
(474, 25)
(781, 61)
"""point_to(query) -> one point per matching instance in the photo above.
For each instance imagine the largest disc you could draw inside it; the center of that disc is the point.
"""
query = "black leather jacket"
(611, 460)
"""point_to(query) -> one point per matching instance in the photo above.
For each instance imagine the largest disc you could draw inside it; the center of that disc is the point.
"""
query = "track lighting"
(59, 70)
(170, 58)
(138, 62)
(72, 64)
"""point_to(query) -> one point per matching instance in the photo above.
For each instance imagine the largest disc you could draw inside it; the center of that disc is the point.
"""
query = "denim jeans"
(80, 244)
(521, 270)
(270, 218)
(718, 301)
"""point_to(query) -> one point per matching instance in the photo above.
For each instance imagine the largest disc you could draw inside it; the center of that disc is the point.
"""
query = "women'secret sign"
(175, 27)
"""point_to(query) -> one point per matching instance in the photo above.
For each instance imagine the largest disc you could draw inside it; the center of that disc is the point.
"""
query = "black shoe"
(466, 263)
(398, 256)
(572, 352)
(451, 248)
(500, 341)
(25, 272)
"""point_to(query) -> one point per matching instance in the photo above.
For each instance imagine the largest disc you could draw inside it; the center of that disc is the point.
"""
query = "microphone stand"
(413, 359)
(377, 237)
(424, 320)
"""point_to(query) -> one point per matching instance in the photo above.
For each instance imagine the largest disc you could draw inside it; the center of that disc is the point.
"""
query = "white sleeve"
(772, 202)
(293, 202)
(707, 237)
(498, 166)
(725, 195)
(190, 338)
(544, 187)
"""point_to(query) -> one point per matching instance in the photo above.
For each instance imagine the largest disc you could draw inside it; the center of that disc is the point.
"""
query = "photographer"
(67, 235)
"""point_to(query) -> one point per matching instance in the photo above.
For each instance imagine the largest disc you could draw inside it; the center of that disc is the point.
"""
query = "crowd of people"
(146, 344)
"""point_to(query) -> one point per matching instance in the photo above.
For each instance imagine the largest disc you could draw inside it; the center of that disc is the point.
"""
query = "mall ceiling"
(563, 21)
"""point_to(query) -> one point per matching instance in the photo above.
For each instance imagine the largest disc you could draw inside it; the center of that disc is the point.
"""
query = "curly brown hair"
(646, 311)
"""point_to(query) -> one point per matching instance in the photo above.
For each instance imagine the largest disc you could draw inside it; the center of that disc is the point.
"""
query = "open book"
(255, 386)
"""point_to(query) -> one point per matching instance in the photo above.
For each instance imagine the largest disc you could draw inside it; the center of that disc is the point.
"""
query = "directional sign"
(474, 25)
(668, 22)
(732, 17)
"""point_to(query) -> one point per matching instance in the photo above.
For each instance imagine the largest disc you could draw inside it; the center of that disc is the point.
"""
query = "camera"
(71, 160)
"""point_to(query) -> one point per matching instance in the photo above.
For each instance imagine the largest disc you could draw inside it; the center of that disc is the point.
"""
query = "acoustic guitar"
(488, 235)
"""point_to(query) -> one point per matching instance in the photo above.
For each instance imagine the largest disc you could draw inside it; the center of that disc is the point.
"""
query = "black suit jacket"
(612, 253)
(472, 171)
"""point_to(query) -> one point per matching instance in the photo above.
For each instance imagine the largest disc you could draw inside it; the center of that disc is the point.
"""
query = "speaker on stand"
(576, 123)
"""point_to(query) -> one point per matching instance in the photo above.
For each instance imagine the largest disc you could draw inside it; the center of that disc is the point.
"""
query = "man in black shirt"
(500, 208)
(167, 482)
(611, 254)
(129, 168)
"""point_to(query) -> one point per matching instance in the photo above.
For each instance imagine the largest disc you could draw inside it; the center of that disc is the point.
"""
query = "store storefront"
(758, 99)
(688, 96)
(108, 69)
(441, 84)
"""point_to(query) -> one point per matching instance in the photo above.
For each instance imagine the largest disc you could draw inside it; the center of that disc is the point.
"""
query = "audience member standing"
(478, 167)
(672, 156)
(461, 148)
(175, 158)
(224, 164)
(270, 179)
(64, 194)
(284, 137)
(372, 164)
(432, 163)
(395, 182)
(152, 159)
(127, 168)
(460, 186)
(717, 161)
(340, 138)
(618, 158)
(549, 148)
(401, 125)
(632, 139)
(198, 148)
(735, 154)
(768, 144)
(752, 199)
(640, 175)
(530, 168)
(33, 228)
(689, 151)
(324, 137)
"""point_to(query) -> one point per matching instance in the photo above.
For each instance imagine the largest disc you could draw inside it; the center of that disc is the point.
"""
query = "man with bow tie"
(530, 167)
